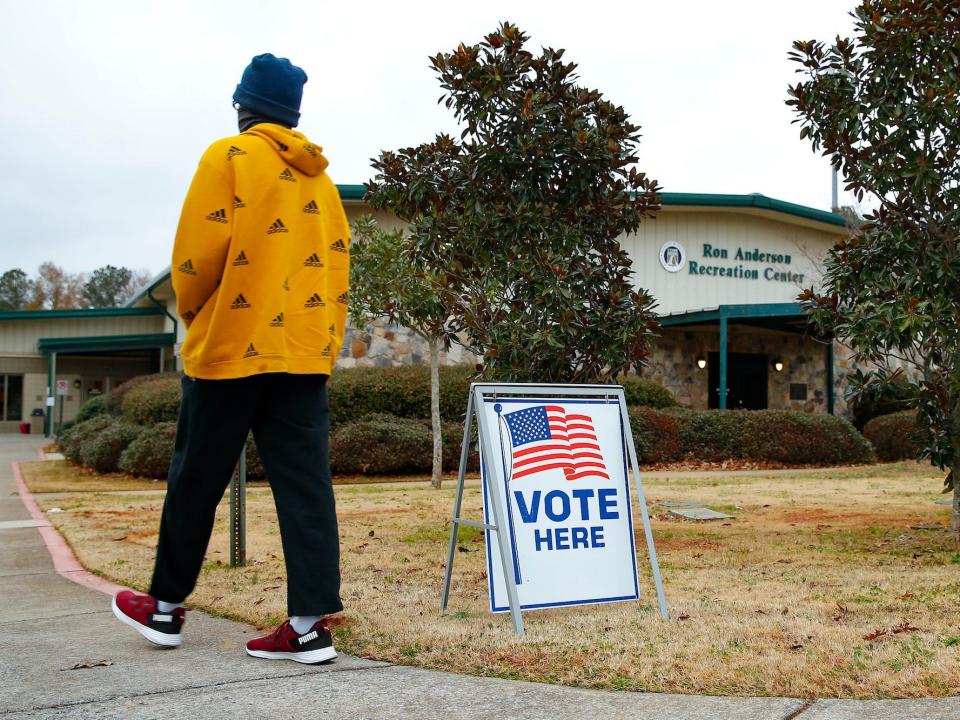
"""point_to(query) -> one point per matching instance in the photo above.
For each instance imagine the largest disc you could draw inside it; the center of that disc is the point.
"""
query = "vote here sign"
(561, 475)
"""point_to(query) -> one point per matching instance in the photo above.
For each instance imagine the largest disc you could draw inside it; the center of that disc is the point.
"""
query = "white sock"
(166, 607)
(303, 623)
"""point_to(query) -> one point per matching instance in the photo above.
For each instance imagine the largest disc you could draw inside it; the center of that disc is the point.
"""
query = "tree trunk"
(435, 478)
(955, 468)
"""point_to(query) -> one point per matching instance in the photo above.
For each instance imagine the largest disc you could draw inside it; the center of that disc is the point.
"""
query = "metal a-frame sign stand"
(479, 392)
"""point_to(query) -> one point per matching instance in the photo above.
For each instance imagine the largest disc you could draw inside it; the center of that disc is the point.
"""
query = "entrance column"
(51, 388)
(722, 392)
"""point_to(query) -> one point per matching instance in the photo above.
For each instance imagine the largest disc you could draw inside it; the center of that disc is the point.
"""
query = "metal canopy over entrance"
(53, 348)
(773, 316)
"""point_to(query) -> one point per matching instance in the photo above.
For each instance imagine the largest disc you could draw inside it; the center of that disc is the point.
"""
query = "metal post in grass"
(238, 512)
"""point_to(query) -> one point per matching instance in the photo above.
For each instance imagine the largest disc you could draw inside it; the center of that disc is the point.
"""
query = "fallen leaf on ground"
(122, 537)
(908, 596)
(841, 613)
(875, 634)
(683, 616)
(91, 664)
(905, 628)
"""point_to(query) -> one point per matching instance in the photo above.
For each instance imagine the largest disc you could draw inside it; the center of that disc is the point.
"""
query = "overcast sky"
(108, 105)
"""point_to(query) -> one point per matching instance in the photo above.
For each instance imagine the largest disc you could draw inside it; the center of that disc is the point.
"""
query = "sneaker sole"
(310, 657)
(154, 636)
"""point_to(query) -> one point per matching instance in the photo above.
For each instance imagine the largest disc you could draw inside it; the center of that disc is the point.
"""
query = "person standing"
(260, 271)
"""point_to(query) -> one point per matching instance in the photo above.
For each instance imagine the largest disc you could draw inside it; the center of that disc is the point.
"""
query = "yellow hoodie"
(261, 259)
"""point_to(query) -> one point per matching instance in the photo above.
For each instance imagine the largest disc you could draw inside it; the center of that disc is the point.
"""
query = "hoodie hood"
(293, 147)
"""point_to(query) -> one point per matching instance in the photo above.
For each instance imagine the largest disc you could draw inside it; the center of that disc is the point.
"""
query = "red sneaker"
(284, 643)
(140, 612)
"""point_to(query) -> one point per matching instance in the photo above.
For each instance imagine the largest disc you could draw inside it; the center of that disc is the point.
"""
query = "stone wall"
(381, 344)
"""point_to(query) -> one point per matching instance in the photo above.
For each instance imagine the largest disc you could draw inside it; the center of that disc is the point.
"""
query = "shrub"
(890, 435)
(255, 469)
(155, 399)
(656, 435)
(381, 445)
(71, 439)
(646, 393)
(148, 455)
(93, 407)
(115, 396)
(452, 444)
(401, 391)
(791, 437)
(101, 451)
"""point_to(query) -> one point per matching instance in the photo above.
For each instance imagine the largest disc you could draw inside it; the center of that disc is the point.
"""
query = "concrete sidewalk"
(49, 624)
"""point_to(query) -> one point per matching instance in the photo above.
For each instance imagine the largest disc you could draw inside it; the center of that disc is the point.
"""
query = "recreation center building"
(724, 269)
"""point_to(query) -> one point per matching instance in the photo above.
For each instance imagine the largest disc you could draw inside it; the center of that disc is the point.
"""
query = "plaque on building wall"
(672, 256)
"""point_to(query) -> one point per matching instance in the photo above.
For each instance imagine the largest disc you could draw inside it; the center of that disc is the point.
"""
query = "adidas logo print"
(251, 352)
(277, 227)
(218, 216)
(326, 351)
(287, 175)
(277, 321)
(240, 303)
(342, 298)
(186, 267)
(304, 639)
(241, 259)
(312, 149)
(238, 203)
(314, 301)
(283, 148)
(311, 207)
(339, 246)
(313, 261)
(233, 151)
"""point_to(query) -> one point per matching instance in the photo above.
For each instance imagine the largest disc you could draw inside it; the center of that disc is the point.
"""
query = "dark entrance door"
(746, 381)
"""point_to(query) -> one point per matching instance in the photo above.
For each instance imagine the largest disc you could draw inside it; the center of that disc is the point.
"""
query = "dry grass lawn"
(829, 583)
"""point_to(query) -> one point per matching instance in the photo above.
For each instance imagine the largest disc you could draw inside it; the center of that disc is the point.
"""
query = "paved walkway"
(49, 623)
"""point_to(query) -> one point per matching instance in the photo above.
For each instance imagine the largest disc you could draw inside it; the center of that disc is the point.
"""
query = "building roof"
(80, 313)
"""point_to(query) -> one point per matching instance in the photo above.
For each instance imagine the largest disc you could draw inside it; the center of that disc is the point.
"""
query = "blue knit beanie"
(272, 87)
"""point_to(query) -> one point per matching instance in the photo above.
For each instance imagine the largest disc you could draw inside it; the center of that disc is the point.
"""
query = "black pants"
(290, 419)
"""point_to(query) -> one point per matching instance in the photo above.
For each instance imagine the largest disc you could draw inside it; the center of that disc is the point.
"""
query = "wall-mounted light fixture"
(77, 383)
(701, 362)
(778, 364)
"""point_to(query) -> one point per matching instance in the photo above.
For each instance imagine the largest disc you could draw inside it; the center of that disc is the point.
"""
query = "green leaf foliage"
(106, 287)
(384, 283)
(883, 106)
(15, 289)
(515, 223)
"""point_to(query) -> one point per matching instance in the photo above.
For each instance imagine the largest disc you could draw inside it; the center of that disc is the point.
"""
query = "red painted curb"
(64, 561)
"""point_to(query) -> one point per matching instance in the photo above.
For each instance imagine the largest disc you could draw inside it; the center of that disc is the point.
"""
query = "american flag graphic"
(546, 437)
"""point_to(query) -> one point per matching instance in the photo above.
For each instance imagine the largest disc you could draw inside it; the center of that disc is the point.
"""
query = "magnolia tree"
(515, 223)
(884, 107)
(383, 284)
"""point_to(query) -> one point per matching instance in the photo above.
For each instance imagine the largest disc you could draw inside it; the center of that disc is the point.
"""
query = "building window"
(798, 391)
(11, 397)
